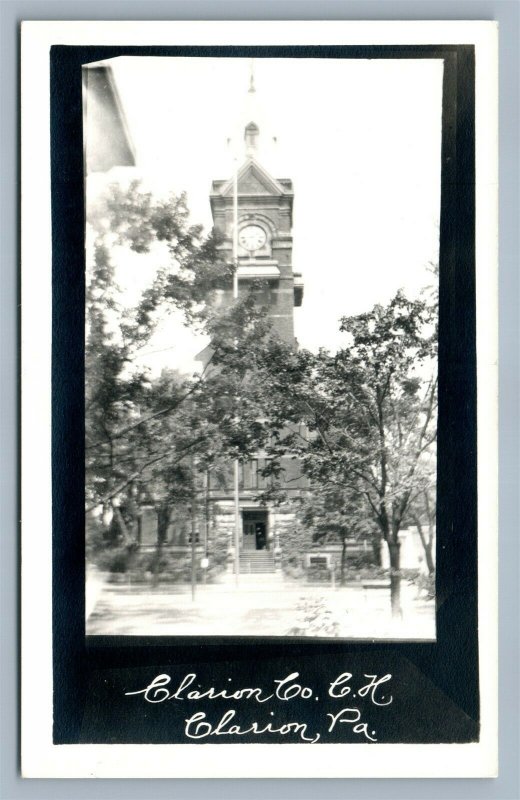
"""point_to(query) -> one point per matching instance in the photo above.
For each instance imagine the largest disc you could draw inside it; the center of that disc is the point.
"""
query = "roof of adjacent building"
(107, 140)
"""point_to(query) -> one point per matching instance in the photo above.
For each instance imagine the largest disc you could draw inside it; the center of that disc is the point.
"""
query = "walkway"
(255, 608)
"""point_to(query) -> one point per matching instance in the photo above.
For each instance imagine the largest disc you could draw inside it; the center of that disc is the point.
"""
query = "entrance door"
(249, 535)
(254, 527)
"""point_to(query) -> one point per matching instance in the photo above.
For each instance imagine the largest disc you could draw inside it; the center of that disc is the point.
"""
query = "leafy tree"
(333, 514)
(148, 440)
(423, 512)
(394, 412)
(124, 409)
(369, 414)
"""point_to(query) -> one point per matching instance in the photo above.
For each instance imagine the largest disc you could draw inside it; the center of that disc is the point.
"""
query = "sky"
(360, 139)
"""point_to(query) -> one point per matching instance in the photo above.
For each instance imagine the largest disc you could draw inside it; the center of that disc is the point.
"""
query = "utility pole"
(206, 524)
(237, 526)
(235, 297)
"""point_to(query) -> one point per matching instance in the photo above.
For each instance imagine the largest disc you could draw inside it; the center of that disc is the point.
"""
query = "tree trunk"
(163, 519)
(343, 560)
(427, 545)
(376, 547)
(429, 555)
(394, 549)
(122, 525)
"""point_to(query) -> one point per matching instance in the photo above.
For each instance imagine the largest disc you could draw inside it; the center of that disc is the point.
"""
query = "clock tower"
(265, 214)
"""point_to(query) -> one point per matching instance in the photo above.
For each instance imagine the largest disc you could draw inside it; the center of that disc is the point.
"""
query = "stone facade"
(264, 204)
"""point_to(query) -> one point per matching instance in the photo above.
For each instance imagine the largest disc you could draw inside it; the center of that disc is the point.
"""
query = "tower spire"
(252, 88)
(251, 130)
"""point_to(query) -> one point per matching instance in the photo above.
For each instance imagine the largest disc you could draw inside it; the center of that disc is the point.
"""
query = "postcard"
(259, 313)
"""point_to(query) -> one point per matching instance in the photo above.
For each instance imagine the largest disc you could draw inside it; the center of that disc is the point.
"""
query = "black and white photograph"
(262, 250)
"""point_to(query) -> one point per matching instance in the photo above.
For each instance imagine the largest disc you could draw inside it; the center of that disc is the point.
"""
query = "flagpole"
(193, 531)
(235, 297)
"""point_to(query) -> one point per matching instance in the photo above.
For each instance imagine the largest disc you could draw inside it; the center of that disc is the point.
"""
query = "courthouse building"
(265, 218)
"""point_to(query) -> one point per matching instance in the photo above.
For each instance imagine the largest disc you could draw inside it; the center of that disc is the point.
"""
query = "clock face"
(252, 238)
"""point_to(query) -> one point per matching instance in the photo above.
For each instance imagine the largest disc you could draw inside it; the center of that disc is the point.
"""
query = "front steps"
(256, 562)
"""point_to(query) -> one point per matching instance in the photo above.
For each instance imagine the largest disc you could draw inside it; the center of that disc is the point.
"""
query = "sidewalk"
(256, 608)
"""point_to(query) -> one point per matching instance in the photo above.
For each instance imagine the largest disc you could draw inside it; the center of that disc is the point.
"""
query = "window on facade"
(254, 474)
(263, 482)
(251, 477)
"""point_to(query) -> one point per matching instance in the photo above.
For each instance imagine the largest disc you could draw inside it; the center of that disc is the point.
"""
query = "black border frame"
(444, 673)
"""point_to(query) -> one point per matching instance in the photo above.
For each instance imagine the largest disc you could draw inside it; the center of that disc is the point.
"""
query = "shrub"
(169, 567)
(294, 540)
(364, 560)
(114, 559)
(318, 574)
(294, 570)
(425, 583)
(315, 619)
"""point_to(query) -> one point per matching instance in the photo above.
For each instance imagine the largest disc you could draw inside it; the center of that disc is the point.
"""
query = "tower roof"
(256, 185)
(253, 179)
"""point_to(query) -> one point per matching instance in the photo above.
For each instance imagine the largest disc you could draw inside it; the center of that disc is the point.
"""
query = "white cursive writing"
(198, 727)
(156, 691)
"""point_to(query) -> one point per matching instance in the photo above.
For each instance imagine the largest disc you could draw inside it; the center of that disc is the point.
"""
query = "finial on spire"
(250, 136)
(252, 89)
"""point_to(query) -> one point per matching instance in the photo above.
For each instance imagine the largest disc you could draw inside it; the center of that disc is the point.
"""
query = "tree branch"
(157, 414)
(140, 471)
